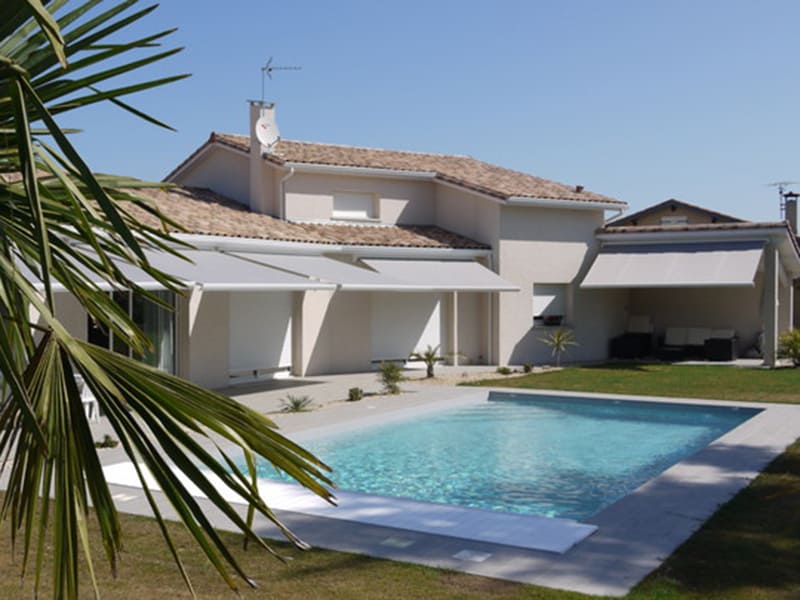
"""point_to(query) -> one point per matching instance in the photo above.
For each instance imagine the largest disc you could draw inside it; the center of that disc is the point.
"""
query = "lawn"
(719, 382)
(749, 550)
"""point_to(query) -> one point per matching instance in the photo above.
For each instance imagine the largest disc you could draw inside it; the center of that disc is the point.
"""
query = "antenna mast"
(784, 193)
(266, 72)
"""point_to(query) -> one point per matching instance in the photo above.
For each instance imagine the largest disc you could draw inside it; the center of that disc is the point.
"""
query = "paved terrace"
(634, 535)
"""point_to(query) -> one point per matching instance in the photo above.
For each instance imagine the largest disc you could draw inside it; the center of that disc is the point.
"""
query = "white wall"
(548, 245)
(260, 330)
(467, 214)
(208, 347)
(221, 170)
(71, 314)
(403, 323)
(336, 336)
(472, 330)
(309, 196)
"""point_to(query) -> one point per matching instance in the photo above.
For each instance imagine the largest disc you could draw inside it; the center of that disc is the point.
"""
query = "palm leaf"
(61, 224)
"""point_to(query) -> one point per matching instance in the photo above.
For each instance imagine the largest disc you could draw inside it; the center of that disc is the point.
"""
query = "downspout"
(282, 192)
(490, 317)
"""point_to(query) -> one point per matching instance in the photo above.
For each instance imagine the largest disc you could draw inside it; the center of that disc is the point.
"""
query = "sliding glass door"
(157, 323)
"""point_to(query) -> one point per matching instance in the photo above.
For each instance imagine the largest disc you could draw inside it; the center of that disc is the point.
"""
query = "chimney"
(790, 209)
(264, 135)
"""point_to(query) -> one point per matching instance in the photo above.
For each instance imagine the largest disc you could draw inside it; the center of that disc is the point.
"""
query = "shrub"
(107, 442)
(293, 403)
(527, 368)
(504, 370)
(790, 345)
(391, 374)
(354, 394)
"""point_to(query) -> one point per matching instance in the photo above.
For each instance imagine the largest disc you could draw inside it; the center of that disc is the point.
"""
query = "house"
(320, 258)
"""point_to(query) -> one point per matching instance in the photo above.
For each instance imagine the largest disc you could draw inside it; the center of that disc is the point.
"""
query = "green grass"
(720, 382)
(749, 550)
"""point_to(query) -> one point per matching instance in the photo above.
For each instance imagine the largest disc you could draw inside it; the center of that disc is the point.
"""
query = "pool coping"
(635, 534)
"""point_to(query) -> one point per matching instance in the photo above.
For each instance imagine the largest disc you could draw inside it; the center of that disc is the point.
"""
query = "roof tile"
(465, 171)
(201, 211)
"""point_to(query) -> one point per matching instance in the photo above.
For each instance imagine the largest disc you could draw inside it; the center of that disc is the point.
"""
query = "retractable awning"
(214, 271)
(441, 275)
(346, 276)
(217, 271)
(390, 275)
(670, 265)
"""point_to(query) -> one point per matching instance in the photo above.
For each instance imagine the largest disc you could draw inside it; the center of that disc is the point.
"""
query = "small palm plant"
(559, 341)
(294, 403)
(430, 357)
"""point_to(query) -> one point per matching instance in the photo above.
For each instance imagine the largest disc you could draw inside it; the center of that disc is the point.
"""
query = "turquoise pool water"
(543, 455)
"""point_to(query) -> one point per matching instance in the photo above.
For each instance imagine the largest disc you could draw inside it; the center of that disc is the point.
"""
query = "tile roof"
(201, 211)
(716, 217)
(463, 171)
(692, 227)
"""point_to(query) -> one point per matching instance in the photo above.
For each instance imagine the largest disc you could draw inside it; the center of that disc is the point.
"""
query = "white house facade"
(317, 258)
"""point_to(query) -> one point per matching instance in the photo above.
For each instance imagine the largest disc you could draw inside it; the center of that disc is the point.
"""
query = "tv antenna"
(784, 193)
(266, 72)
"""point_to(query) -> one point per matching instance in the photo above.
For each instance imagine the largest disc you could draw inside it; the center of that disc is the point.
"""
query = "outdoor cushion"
(697, 336)
(723, 334)
(675, 336)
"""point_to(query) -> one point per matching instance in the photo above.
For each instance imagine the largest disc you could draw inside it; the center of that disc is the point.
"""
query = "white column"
(770, 316)
(453, 341)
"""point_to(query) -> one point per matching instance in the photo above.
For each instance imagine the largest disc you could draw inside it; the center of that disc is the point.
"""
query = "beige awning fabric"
(441, 275)
(389, 275)
(344, 275)
(213, 271)
(675, 265)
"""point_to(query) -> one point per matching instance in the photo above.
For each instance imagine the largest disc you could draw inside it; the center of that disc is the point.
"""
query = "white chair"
(90, 405)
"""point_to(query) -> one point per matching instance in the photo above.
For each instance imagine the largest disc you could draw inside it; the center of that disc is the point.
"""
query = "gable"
(673, 212)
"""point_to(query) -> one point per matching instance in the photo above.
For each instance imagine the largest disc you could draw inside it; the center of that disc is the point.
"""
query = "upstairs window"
(549, 303)
(675, 220)
(354, 206)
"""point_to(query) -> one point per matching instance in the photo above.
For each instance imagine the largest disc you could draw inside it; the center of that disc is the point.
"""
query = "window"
(549, 303)
(155, 321)
(675, 220)
(354, 206)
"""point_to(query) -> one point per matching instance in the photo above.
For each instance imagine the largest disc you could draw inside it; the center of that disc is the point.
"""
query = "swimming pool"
(551, 456)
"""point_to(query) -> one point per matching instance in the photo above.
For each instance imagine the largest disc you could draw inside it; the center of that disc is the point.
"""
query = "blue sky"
(638, 100)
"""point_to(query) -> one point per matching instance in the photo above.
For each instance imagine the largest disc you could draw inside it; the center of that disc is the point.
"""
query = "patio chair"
(90, 405)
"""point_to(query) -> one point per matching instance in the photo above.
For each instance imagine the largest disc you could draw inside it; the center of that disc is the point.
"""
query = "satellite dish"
(266, 129)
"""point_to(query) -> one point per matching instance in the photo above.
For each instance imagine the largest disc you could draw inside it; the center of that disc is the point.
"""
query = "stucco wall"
(71, 314)
(208, 349)
(467, 214)
(224, 171)
(403, 323)
(310, 197)
(547, 245)
(260, 330)
(339, 341)
(472, 330)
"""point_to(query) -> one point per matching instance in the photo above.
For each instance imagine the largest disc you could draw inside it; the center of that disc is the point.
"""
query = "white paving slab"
(521, 531)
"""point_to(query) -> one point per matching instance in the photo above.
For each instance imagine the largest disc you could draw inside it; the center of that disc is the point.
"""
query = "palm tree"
(59, 222)
(559, 341)
(430, 356)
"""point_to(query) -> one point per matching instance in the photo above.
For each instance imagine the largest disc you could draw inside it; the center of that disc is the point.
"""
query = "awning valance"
(672, 265)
